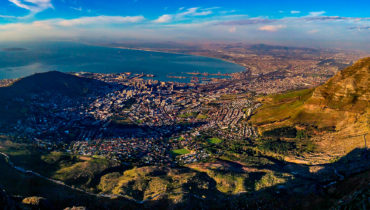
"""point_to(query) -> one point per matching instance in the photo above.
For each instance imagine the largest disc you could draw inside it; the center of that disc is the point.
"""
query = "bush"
(287, 132)
(278, 146)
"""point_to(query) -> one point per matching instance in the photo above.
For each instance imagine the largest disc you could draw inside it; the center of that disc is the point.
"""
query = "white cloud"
(98, 20)
(271, 28)
(77, 8)
(295, 12)
(185, 14)
(34, 6)
(319, 29)
(163, 19)
(6, 16)
(195, 12)
(315, 14)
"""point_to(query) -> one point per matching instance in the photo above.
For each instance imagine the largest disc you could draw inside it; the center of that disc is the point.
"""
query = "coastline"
(174, 53)
(191, 63)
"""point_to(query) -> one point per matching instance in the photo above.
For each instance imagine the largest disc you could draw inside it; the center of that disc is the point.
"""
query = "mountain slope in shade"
(52, 82)
(15, 100)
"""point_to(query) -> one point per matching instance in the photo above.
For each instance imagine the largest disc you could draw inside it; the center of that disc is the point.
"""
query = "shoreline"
(167, 52)
(177, 53)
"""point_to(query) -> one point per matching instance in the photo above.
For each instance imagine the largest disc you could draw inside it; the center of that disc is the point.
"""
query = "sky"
(333, 24)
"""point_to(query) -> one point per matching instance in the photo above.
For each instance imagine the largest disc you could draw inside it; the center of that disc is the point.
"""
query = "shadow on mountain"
(32, 102)
(53, 88)
(322, 189)
(316, 190)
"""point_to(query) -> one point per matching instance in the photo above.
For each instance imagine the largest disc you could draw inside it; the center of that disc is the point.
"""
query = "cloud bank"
(194, 24)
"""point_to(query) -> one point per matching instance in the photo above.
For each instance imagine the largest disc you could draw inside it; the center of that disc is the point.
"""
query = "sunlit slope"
(343, 101)
(337, 111)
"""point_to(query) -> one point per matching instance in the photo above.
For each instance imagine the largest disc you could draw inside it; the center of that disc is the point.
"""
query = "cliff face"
(342, 102)
(349, 90)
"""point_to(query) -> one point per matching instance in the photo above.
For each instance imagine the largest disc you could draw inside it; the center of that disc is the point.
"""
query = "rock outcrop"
(348, 90)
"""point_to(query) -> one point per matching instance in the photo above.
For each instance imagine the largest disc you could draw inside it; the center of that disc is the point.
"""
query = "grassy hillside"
(280, 109)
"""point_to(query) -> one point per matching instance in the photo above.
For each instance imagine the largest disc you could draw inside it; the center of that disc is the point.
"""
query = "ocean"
(23, 59)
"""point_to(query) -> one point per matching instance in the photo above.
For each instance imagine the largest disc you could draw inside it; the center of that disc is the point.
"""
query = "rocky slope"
(336, 113)
(345, 95)
(342, 103)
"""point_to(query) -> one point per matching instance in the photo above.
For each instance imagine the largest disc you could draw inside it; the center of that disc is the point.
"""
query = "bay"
(26, 58)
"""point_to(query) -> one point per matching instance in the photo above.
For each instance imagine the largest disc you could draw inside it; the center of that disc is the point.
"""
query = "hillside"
(344, 95)
(336, 114)
(50, 82)
(15, 100)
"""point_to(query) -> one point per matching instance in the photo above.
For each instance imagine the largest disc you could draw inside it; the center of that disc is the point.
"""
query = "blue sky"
(342, 24)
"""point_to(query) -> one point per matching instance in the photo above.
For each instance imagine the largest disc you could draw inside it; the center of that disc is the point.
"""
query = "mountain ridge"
(52, 81)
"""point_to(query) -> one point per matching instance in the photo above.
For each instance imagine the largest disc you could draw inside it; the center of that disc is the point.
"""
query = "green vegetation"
(188, 115)
(202, 116)
(281, 108)
(280, 147)
(177, 152)
(58, 196)
(287, 132)
(214, 140)
(148, 182)
(229, 182)
(286, 147)
(83, 173)
(181, 138)
(302, 134)
(271, 179)
(73, 170)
